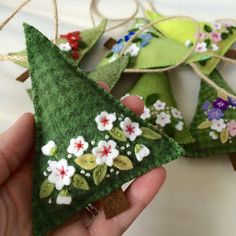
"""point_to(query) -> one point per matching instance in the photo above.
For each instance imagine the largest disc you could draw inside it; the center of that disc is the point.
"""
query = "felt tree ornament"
(160, 106)
(214, 122)
(87, 143)
(214, 38)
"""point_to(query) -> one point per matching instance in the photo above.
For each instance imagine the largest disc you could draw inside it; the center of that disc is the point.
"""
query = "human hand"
(16, 153)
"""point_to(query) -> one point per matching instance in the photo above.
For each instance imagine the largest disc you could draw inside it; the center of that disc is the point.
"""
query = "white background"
(199, 195)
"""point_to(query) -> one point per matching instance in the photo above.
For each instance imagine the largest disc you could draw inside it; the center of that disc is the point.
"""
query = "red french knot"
(104, 121)
(75, 54)
(74, 45)
(62, 172)
(79, 145)
(129, 129)
(105, 151)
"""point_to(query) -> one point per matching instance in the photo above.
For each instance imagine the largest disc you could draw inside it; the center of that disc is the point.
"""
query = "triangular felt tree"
(87, 143)
(214, 122)
(161, 107)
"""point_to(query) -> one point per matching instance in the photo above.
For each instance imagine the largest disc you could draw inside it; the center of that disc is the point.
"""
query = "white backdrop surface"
(199, 195)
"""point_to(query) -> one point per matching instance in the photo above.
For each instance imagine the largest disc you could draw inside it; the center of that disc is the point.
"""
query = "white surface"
(199, 195)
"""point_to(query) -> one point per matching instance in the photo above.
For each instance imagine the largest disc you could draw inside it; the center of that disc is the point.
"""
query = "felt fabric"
(214, 124)
(86, 41)
(216, 38)
(87, 143)
(156, 91)
(151, 49)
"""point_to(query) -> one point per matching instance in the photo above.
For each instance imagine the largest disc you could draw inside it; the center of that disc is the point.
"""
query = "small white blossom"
(188, 43)
(130, 129)
(218, 125)
(213, 135)
(141, 151)
(201, 47)
(163, 119)
(146, 113)
(179, 126)
(217, 26)
(64, 198)
(77, 146)
(105, 152)
(105, 121)
(214, 47)
(159, 105)
(65, 47)
(133, 50)
(176, 113)
(49, 149)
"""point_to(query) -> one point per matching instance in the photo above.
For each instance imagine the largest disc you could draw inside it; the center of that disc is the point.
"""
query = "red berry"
(74, 45)
(75, 54)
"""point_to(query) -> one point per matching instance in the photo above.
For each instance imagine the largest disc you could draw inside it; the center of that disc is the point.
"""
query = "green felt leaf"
(117, 134)
(205, 124)
(151, 99)
(123, 163)
(224, 135)
(150, 134)
(87, 161)
(80, 182)
(99, 174)
(110, 73)
(46, 189)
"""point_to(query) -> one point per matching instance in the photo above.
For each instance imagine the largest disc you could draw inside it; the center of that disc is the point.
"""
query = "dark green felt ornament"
(161, 107)
(87, 143)
(214, 122)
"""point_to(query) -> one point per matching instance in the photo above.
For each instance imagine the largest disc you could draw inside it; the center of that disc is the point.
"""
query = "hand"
(16, 152)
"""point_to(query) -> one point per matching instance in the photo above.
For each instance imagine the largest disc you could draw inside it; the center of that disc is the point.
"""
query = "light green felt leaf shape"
(86, 161)
(99, 174)
(123, 163)
(181, 30)
(46, 189)
(117, 134)
(158, 84)
(110, 73)
(80, 182)
(150, 134)
(89, 37)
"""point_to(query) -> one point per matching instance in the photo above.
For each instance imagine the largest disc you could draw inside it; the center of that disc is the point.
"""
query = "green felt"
(204, 145)
(74, 103)
(110, 73)
(89, 37)
(159, 84)
(181, 30)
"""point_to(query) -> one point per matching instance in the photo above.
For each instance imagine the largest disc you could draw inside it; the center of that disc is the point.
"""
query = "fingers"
(15, 145)
(139, 194)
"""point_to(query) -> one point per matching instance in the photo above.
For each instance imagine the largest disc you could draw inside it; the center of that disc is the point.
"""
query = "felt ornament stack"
(87, 143)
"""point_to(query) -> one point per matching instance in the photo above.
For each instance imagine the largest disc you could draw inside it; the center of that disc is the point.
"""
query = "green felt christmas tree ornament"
(87, 143)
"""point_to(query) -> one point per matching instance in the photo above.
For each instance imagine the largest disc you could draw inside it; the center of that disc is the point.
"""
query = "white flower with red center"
(163, 119)
(61, 173)
(176, 113)
(201, 47)
(159, 105)
(65, 47)
(146, 113)
(218, 125)
(77, 146)
(130, 129)
(105, 121)
(105, 152)
(215, 36)
(49, 149)
(133, 50)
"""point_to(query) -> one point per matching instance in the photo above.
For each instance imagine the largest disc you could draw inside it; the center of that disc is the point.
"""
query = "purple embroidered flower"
(117, 47)
(221, 104)
(232, 101)
(206, 105)
(215, 114)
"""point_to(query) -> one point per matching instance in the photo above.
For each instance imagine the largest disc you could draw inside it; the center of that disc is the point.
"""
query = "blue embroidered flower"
(215, 113)
(119, 41)
(117, 47)
(232, 101)
(145, 39)
(206, 105)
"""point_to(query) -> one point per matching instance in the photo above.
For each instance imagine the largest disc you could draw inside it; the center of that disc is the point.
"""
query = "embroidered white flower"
(65, 47)
(179, 126)
(163, 119)
(176, 113)
(49, 149)
(130, 129)
(105, 152)
(217, 26)
(159, 105)
(61, 173)
(146, 113)
(133, 50)
(77, 146)
(214, 47)
(201, 47)
(188, 43)
(64, 198)
(213, 135)
(218, 125)
(141, 151)
(105, 121)
(113, 57)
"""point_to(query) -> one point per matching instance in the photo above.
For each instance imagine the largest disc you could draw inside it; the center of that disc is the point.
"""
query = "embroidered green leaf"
(151, 99)
(224, 35)
(222, 95)
(205, 124)
(207, 28)
(117, 134)
(99, 174)
(224, 136)
(123, 163)
(138, 148)
(87, 161)
(150, 134)
(80, 182)
(46, 189)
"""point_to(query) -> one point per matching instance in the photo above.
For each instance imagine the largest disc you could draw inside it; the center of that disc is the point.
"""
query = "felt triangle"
(74, 45)
(214, 123)
(161, 107)
(214, 37)
(87, 143)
